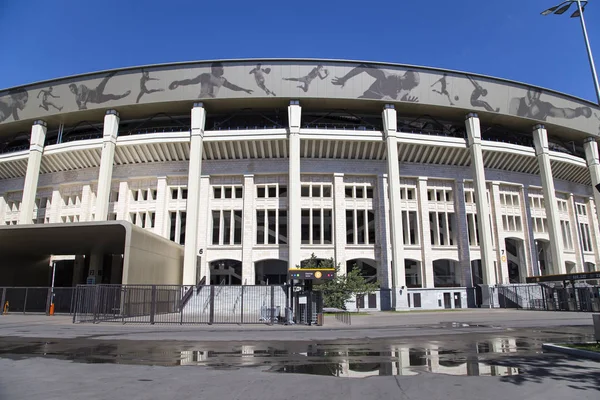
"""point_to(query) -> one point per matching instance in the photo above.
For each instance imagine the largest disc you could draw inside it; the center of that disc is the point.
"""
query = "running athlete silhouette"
(45, 102)
(318, 71)
(84, 94)
(532, 107)
(386, 85)
(143, 89)
(443, 88)
(480, 92)
(210, 83)
(259, 76)
(16, 100)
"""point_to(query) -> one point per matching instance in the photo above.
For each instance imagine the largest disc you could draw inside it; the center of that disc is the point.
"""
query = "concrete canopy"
(147, 257)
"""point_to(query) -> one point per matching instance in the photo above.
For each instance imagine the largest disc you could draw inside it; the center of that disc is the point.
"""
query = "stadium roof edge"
(262, 60)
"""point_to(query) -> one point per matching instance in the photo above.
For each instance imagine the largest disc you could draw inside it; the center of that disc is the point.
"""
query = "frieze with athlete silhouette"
(344, 80)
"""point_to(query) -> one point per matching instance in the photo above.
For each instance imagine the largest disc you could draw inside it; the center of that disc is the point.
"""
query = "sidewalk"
(374, 325)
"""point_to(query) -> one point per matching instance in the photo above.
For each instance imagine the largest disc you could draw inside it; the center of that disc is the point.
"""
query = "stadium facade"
(430, 181)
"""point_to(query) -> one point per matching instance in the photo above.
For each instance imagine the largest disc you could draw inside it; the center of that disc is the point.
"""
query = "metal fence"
(544, 297)
(37, 299)
(175, 304)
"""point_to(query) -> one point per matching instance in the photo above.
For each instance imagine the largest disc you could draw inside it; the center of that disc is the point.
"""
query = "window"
(114, 196)
(565, 228)
(317, 226)
(540, 225)
(473, 229)
(442, 228)
(271, 191)
(228, 192)
(315, 190)
(271, 226)
(562, 205)
(177, 226)
(227, 227)
(359, 192)
(410, 227)
(179, 193)
(360, 226)
(511, 223)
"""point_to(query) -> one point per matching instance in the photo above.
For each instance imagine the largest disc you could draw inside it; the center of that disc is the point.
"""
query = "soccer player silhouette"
(143, 89)
(532, 107)
(210, 83)
(17, 99)
(387, 85)
(443, 88)
(259, 77)
(84, 94)
(480, 92)
(318, 71)
(45, 102)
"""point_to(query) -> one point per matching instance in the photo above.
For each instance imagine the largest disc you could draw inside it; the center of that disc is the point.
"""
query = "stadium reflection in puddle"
(350, 358)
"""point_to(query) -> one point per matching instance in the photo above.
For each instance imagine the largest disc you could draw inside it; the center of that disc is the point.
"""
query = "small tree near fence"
(337, 292)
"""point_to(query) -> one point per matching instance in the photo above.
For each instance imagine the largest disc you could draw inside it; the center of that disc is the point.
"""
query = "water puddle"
(478, 356)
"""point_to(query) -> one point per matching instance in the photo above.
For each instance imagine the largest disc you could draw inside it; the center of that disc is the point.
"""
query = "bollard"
(5, 308)
(51, 308)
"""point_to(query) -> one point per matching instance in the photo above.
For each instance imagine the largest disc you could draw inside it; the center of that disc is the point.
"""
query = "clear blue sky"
(46, 39)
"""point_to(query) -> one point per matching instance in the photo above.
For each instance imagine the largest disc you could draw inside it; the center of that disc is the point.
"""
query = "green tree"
(338, 291)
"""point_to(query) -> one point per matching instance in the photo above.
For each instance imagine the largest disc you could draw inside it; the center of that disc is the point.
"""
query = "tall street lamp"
(563, 8)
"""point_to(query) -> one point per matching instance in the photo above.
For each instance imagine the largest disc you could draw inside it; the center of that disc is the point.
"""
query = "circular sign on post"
(503, 258)
(318, 274)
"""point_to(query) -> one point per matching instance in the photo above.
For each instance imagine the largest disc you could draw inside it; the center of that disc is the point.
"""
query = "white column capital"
(590, 146)
(540, 140)
(390, 121)
(294, 116)
(473, 129)
(38, 136)
(198, 120)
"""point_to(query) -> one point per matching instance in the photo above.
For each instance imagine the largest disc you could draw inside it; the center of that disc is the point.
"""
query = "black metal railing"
(544, 297)
(178, 304)
(37, 299)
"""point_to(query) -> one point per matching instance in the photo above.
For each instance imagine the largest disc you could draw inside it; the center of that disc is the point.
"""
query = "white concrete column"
(462, 236)
(339, 207)
(2, 208)
(483, 209)
(540, 141)
(36, 149)
(86, 203)
(501, 258)
(190, 255)
(425, 238)
(577, 245)
(528, 224)
(399, 298)
(248, 215)
(294, 211)
(592, 157)
(385, 244)
(204, 232)
(123, 202)
(55, 206)
(109, 143)
(162, 195)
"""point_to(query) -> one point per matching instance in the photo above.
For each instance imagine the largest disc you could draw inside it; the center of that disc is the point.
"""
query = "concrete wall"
(151, 259)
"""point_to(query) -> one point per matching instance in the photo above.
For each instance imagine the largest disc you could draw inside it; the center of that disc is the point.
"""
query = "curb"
(572, 352)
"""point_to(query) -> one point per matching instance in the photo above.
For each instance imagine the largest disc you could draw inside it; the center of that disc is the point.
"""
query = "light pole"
(561, 9)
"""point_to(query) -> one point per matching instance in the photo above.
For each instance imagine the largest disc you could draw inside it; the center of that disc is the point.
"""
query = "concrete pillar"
(190, 255)
(248, 216)
(339, 206)
(462, 236)
(294, 211)
(78, 269)
(501, 258)
(2, 208)
(592, 157)
(530, 242)
(205, 233)
(162, 196)
(86, 203)
(109, 143)
(540, 141)
(36, 149)
(399, 298)
(116, 269)
(96, 266)
(481, 201)
(385, 249)
(575, 233)
(122, 204)
(595, 231)
(425, 238)
(55, 206)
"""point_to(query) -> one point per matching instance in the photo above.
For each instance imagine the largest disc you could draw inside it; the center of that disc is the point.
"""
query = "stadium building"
(430, 181)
